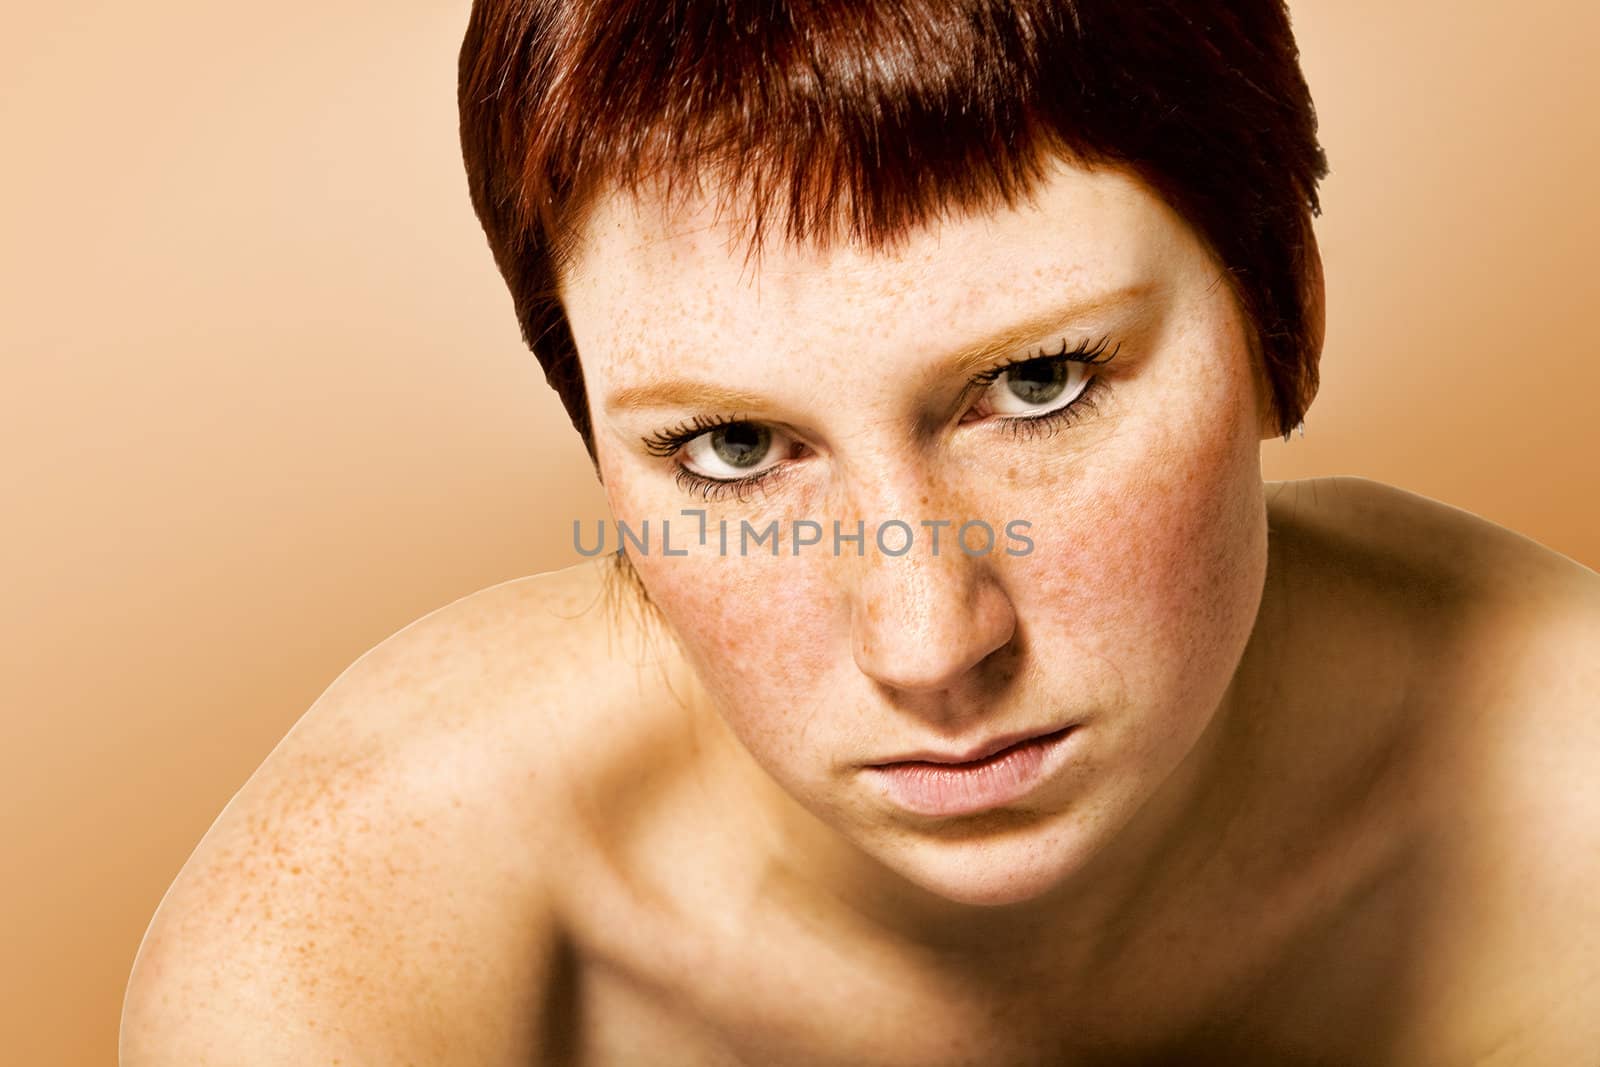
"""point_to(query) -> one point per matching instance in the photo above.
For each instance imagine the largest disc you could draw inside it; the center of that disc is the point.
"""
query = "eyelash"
(668, 442)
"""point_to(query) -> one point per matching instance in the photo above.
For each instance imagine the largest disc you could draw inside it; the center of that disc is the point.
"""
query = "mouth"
(942, 788)
(975, 756)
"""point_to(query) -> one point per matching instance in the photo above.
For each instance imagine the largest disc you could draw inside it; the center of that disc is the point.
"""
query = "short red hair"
(865, 120)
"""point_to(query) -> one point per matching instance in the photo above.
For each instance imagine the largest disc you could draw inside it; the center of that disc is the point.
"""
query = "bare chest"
(726, 978)
(776, 1004)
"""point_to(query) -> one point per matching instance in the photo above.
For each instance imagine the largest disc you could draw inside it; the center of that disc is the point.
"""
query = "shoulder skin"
(1507, 950)
(378, 891)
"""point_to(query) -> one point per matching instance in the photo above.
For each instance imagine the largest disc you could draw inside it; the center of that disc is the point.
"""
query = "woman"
(965, 696)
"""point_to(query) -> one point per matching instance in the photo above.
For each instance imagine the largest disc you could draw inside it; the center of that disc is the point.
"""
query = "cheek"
(753, 622)
(1150, 567)
(759, 631)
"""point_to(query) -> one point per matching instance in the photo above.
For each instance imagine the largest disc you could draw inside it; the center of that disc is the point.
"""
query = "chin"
(992, 867)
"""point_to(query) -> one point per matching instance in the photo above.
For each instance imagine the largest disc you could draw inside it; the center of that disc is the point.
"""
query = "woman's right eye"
(732, 451)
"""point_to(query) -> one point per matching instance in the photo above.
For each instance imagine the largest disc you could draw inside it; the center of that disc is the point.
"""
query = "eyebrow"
(687, 393)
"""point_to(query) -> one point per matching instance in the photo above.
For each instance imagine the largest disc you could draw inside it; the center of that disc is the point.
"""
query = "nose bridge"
(926, 605)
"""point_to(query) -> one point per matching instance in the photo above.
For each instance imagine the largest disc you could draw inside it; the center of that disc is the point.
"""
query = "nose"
(920, 621)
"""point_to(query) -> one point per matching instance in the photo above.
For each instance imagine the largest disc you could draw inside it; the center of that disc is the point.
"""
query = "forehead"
(649, 287)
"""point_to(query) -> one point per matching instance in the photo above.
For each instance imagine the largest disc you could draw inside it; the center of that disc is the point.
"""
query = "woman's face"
(1124, 496)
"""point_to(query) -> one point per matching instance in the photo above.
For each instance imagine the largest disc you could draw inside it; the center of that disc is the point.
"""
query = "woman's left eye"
(1033, 388)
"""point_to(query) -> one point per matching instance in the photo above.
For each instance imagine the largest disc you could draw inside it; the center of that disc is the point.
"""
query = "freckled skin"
(1129, 616)
(1330, 799)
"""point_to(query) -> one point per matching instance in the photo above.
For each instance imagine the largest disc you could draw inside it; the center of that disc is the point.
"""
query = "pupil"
(1038, 382)
(740, 445)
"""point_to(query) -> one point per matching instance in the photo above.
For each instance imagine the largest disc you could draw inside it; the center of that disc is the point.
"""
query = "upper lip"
(977, 752)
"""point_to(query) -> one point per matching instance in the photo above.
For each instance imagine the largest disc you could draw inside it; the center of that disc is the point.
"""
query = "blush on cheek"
(757, 629)
(1201, 564)
(1200, 588)
(1149, 569)
(770, 645)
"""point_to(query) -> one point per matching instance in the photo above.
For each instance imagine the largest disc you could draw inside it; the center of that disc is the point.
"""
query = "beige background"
(265, 402)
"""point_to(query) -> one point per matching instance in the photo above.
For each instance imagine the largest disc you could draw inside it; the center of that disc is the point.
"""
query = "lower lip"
(946, 789)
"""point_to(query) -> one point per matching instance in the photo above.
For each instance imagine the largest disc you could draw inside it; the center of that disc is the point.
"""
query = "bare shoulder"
(1473, 602)
(378, 890)
(1504, 678)
(1507, 629)
(1417, 531)
(1524, 667)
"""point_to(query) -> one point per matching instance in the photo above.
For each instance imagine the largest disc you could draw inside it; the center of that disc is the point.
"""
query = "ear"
(1314, 302)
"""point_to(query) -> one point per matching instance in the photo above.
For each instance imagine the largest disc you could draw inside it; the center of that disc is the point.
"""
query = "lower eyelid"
(715, 489)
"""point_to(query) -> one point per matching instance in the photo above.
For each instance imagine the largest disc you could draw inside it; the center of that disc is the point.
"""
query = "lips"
(993, 747)
(1006, 771)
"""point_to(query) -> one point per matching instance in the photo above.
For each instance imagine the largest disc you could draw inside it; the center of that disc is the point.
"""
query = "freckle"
(294, 870)
(1012, 473)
